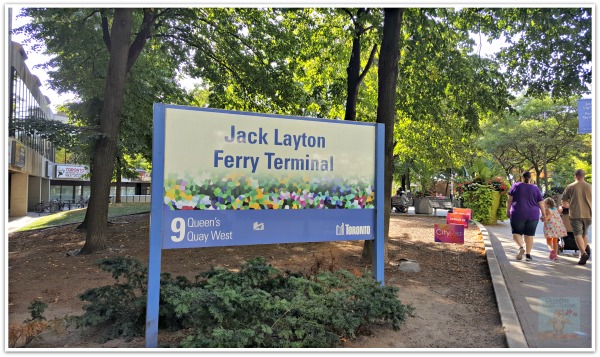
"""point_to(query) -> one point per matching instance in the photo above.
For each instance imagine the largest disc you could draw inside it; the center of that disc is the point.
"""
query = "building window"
(23, 106)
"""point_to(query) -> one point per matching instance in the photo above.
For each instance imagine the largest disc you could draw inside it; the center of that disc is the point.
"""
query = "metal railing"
(131, 198)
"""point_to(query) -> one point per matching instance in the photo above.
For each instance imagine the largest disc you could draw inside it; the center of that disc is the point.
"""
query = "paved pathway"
(541, 288)
(15, 223)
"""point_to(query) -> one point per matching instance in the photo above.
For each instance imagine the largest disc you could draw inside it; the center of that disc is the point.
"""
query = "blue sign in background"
(584, 112)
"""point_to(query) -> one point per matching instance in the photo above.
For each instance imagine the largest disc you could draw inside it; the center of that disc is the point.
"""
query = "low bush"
(258, 306)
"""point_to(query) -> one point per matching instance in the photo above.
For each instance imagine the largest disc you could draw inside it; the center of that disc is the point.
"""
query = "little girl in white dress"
(554, 227)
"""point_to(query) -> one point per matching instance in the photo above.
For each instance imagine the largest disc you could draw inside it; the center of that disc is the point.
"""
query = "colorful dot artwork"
(242, 192)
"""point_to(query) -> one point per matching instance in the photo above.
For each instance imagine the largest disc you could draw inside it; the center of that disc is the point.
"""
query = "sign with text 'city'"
(449, 233)
(224, 178)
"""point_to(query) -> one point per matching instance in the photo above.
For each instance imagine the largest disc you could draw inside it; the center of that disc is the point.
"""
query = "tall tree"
(152, 78)
(123, 49)
(355, 76)
(386, 105)
(502, 149)
(122, 56)
(546, 131)
(444, 91)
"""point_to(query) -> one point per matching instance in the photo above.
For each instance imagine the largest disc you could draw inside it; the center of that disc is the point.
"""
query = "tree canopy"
(548, 49)
(315, 62)
(539, 134)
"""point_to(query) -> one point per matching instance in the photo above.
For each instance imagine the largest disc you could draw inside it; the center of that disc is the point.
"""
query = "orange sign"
(458, 218)
(466, 211)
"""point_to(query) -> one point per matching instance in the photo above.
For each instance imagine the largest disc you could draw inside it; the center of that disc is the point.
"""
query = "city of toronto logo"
(348, 230)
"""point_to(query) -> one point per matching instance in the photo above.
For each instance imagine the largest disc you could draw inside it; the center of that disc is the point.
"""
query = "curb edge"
(508, 315)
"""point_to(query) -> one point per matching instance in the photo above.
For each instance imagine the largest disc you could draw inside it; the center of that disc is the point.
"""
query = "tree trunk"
(386, 107)
(538, 181)
(353, 71)
(546, 177)
(446, 189)
(105, 147)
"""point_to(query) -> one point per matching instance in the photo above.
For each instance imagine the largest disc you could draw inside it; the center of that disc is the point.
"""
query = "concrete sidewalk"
(540, 290)
(14, 223)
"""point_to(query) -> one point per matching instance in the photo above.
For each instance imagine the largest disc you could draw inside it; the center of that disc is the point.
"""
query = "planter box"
(422, 205)
(494, 209)
(457, 203)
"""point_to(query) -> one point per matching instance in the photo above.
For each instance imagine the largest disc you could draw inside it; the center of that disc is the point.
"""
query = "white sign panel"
(71, 172)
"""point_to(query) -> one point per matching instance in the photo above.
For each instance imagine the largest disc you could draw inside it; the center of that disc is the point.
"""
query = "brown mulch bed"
(453, 297)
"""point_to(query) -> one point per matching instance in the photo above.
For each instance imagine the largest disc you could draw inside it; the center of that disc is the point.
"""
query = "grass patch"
(77, 215)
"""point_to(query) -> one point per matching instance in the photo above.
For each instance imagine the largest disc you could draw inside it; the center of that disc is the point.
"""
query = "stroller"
(567, 242)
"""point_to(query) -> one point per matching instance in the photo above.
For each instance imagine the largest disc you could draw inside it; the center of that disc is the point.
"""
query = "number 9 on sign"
(178, 226)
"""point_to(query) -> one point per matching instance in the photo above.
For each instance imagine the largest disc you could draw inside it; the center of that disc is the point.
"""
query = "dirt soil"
(452, 295)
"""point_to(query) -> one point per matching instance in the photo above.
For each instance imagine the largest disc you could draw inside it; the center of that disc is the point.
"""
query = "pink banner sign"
(449, 233)
(466, 211)
(458, 218)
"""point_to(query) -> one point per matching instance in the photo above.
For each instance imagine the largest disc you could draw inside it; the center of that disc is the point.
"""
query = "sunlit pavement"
(552, 299)
(15, 223)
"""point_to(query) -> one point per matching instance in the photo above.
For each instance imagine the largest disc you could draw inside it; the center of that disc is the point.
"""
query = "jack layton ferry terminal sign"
(225, 178)
(270, 159)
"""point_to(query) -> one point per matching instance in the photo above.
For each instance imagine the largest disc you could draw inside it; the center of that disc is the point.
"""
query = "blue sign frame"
(172, 228)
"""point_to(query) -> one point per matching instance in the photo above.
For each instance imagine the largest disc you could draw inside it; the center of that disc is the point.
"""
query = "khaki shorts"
(580, 226)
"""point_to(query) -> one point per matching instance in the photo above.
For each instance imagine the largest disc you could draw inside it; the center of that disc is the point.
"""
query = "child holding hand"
(554, 227)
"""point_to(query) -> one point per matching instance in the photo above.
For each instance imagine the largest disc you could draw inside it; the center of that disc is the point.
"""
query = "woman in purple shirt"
(523, 208)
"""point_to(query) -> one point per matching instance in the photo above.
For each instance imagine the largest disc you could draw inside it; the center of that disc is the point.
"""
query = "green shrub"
(501, 214)
(259, 306)
(122, 306)
(480, 201)
(478, 195)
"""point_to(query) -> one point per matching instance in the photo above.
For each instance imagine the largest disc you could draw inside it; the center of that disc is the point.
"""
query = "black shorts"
(524, 226)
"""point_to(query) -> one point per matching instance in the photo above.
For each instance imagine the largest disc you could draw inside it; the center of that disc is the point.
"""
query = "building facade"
(30, 157)
(33, 172)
